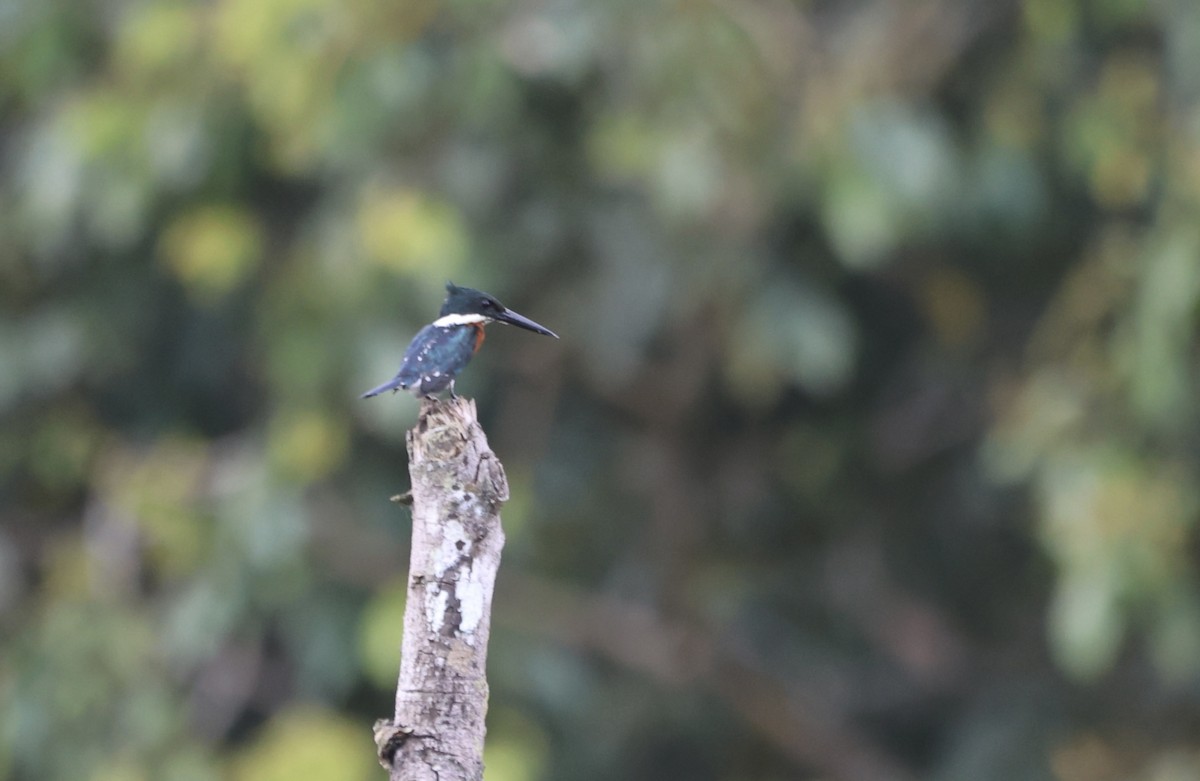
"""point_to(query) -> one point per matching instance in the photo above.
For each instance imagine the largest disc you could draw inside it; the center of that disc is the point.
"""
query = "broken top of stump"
(447, 432)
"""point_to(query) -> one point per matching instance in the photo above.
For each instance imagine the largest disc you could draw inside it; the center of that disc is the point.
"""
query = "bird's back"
(435, 356)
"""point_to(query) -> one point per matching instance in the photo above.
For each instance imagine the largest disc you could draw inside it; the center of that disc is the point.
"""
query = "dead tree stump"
(458, 485)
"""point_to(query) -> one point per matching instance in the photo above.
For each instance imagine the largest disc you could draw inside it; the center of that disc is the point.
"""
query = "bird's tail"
(393, 384)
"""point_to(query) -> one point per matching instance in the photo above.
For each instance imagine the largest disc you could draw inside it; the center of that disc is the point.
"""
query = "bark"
(458, 485)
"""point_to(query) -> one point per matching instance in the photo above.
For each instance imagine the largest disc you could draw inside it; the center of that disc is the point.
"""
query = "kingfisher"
(441, 349)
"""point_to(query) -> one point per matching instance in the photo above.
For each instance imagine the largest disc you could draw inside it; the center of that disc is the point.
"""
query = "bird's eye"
(487, 304)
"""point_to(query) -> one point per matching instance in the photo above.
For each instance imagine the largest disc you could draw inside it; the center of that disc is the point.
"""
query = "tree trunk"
(458, 486)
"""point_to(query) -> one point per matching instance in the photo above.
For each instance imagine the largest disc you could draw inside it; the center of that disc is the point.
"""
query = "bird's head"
(474, 306)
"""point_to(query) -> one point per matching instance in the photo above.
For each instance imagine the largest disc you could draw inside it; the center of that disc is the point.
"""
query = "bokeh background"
(869, 451)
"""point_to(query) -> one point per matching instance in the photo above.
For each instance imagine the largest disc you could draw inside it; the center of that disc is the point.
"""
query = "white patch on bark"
(454, 552)
(471, 598)
(455, 547)
(436, 600)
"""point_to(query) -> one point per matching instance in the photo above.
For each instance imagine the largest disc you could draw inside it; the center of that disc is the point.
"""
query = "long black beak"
(521, 321)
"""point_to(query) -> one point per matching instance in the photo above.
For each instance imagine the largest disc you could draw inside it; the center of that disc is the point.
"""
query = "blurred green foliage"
(870, 449)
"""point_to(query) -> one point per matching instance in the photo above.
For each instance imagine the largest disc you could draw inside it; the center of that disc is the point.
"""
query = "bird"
(441, 349)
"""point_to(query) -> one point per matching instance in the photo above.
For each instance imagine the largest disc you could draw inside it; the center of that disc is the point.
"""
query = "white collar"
(472, 319)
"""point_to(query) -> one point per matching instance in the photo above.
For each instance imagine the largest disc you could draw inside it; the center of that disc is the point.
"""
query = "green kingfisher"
(441, 349)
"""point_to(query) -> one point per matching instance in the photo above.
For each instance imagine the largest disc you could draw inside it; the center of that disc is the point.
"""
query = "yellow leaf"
(307, 444)
(154, 39)
(308, 744)
(380, 633)
(404, 230)
(211, 249)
